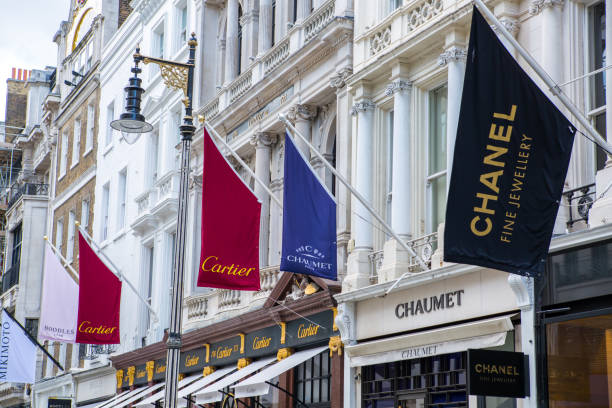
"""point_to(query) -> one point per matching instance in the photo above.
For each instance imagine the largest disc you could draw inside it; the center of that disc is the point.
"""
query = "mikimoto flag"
(17, 353)
(511, 156)
(309, 220)
(59, 303)
(230, 226)
(99, 299)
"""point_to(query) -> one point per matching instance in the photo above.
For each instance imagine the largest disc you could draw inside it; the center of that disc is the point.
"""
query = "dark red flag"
(99, 299)
(230, 226)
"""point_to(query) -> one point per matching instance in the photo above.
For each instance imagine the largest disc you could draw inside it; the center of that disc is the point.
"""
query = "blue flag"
(309, 220)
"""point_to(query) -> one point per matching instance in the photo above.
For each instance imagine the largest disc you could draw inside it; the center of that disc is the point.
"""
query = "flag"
(511, 156)
(309, 220)
(17, 354)
(99, 299)
(230, 226)
(59, 303)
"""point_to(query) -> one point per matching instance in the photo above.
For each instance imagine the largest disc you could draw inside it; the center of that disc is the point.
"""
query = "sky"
(26, 36)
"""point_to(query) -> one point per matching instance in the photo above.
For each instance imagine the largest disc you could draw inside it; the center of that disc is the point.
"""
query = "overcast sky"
(26, 36)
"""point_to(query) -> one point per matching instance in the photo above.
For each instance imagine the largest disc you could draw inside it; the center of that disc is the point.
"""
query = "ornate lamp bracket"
(174, 74)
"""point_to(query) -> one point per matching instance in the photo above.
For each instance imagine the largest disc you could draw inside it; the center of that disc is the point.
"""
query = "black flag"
(511, 156)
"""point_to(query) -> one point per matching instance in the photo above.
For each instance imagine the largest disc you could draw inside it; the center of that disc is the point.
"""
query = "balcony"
(10, 278)
(30, 189)
(297, 39)
(12, 394)
(578, 202)
(94, 351)
(423, 246)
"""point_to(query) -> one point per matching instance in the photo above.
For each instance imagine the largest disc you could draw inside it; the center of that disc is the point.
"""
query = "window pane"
(438, 201)
(598, 49)
(437, 130)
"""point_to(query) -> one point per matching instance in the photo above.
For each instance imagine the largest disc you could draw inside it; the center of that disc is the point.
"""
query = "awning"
(122, 397)
(159, 395)
(201, 383)
(212, 393)
(142, 394)
(107, 402)
(257, 385)
(479, 334)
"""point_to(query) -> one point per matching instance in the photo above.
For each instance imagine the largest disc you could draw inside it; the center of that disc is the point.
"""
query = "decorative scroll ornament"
(452, 54)
(538, 5)
(150, 366)
(362, 106)
(119, 375)
(335, 346)
(398, 86)
(243, 362)
(510, 24)
(284, 353)
(174, 75)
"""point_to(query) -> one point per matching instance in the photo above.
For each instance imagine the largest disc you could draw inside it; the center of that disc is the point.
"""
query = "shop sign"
(227, 351)
(302, 332)
(497, 373)
(159, 369)
(59, 403)
(192, 360)
(413, 307)
(140, 375)
(263, 342)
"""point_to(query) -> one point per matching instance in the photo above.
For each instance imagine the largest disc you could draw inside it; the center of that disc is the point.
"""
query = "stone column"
(552, 35)
(276, 221)
(301, 116)
(454, 58)
(266, 18)
(358, 269)
(231, 37)
(507, 13)
(263, 152)
(396, 260)
(250, 33)
(303, 9)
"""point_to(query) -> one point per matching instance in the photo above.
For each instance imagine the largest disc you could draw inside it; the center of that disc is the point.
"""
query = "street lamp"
(131, 124)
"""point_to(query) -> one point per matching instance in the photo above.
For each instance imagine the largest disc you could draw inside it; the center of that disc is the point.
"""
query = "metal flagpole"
(74, 273)
(554, 88)
(363, 201)
(242, 163)
(116, 270)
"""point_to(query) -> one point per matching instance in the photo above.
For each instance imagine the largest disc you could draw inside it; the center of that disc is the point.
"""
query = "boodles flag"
(511, 156)
(59, 303)
(99, 299)
(309, 220)
(18, 354)
(230, 226)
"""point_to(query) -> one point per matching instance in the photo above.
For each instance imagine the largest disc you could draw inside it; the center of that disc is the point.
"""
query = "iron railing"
(93, 351)
(579, 201)
(35, 189)
(10, 278)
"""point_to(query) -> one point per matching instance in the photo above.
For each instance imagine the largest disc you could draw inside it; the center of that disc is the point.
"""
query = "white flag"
(17, 353)
(59, 303)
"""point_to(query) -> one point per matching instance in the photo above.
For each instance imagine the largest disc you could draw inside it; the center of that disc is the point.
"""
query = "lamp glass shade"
(131, 128)
(130, 137)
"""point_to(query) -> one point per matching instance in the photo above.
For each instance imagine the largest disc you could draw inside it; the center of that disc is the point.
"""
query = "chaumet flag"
(511, 156)
(230, 226)
(17, 354)
(99, 299)
(309, 220)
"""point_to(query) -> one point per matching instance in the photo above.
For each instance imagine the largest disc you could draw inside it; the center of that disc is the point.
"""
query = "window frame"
(122, 198)
(110, 115)
(71, 235)
(85, 213)
(302, 378)
(59, 234)
(104, 226)
(432, 177)
(76, 142)
(63, 155)
(89, 132)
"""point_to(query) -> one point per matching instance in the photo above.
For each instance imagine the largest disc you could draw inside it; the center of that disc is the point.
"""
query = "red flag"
(99, 299)
(230, 226)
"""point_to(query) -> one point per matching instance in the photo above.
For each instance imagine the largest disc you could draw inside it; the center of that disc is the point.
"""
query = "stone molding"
(263, 139)
(537, 6)
(338, 80)
(510, 24)
(302, 112)
(362, 106)
(451, 55)
(398, 86)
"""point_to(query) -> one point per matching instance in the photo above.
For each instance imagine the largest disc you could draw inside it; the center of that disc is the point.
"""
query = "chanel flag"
(511, 156)
(309, 220)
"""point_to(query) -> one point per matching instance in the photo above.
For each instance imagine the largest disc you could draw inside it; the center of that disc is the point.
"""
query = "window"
(121, 193)
(157, 47)
(31, 326)
(110, 115)
(90, 128)
(11, 276)
(153, 152)
(149, 266)
(64, 155)
(76, 143)
(273, 22)
(389, 167)
(89, 56)
(59, 235)
(392, 5)
(313, 381)
(70, 243)
(436, 159)
(85, 213)
(597, 86)
(182, 26)
(105, 199)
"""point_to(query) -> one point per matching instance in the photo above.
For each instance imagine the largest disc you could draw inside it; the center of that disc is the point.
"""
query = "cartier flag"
(511, 156)
(99, 299)
(230, 226)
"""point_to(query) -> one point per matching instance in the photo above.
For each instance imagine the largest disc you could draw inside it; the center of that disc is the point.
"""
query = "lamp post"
(131, 124)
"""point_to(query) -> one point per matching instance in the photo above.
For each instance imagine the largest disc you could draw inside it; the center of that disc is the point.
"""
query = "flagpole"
(33, 340)
(552, 86)
(117, 271)
(242, 163)
(74, 274)
(363, 201)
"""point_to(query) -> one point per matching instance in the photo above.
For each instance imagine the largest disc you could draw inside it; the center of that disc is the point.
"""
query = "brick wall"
(16, 105)
(124, 10)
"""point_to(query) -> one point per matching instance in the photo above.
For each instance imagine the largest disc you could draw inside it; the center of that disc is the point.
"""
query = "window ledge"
(108, 148)
(120, 234)
(89, 150)
(73, 165)
(61, 176)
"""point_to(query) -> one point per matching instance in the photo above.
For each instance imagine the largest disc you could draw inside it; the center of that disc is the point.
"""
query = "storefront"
(410, 347)
(287, 354)
(575, 323)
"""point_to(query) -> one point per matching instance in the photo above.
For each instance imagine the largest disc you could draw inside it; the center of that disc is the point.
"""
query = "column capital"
(263, 139)
(510, 24)
(338, 80)
(454, 53)
(399, 85)
(537, 6)
(302, 112)
(362, 106)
